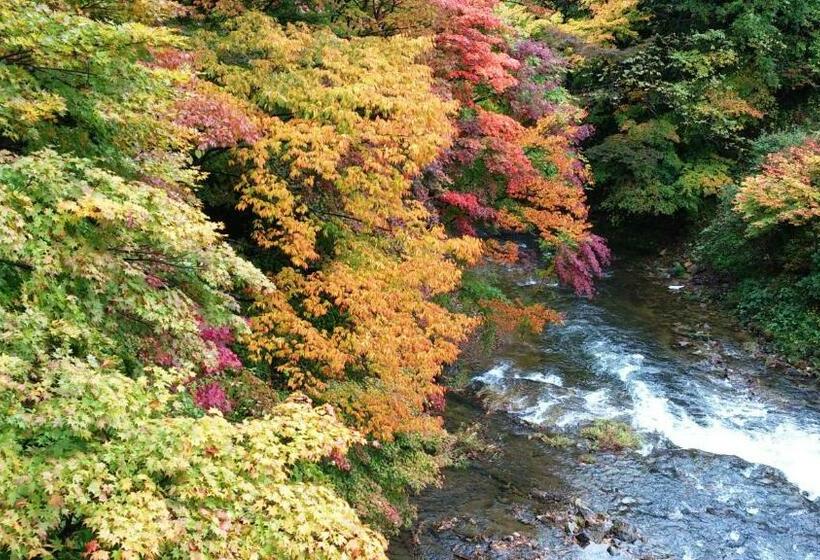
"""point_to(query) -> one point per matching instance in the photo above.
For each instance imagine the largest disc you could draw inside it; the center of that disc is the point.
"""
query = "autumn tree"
(124, 429)
(785, 192)
(106, 284)
(514, 165)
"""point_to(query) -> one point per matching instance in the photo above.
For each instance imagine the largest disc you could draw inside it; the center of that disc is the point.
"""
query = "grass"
(557, 441)
(610, 435)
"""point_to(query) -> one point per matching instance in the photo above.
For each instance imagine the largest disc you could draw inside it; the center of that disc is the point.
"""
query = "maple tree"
(786, 191)
(514, 165)
(99, 447)
(158, 388)
(470, 48)
(346, 154)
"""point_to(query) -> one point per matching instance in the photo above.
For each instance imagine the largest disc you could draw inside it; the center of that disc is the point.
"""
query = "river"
(729, 460)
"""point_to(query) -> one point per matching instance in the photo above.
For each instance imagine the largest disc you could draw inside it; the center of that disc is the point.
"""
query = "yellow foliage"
(610, 19)
(350, 124)
(119, 449)
(345, 133)
(380, 363)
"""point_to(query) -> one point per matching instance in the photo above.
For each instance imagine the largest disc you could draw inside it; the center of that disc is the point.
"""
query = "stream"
(728, 464)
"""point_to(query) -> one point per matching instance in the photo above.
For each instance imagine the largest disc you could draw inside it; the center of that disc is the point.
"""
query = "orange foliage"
(341, 145)
(501, 251)
(342, 140)
(380, 360)
(555, 203)
(510, 317)
(787, 190)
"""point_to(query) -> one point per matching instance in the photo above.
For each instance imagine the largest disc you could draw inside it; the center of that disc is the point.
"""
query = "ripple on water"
(723, 420)
(725, 457)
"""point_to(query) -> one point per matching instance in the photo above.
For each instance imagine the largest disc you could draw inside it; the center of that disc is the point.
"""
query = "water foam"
(548, 379)
(792, 449)
(735, 425)
(493, 376)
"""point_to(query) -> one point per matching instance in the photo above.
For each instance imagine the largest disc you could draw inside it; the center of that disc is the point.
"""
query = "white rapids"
(675, 407)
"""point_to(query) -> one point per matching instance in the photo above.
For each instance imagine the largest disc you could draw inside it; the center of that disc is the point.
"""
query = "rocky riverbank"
(727, 444)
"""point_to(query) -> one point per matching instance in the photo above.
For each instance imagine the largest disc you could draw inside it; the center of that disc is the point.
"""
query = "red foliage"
(436, 403)
(90, 548)
(170, 59)
(463, 226)
(470, 46)
(219, 338)
(339, 459)
(579, 267)
(469, 204)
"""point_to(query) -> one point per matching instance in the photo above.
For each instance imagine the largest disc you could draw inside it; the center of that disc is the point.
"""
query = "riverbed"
(728, 464)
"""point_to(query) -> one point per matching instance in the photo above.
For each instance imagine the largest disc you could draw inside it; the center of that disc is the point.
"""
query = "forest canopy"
(234, 237)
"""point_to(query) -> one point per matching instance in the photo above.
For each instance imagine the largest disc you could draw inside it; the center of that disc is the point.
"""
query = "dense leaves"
(787, 191)
(99, 448)
(158, 370)
(678, 106)
(706, 119)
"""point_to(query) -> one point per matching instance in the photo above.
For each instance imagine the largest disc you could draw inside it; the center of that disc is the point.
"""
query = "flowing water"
(729, 461)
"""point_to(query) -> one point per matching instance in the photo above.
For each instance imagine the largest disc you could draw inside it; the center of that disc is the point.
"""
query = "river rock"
(584, 511)
(625, 532)
(510, 547)
(549, 497)
(583, 539)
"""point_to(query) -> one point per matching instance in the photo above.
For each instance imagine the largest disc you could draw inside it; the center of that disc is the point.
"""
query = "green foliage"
(476, 289)
(379, 476)
(100, 448)
(677, 107)
(641, 165)
(786, 310)
(124, 257)
(764, 238)
(705, 113)
(79, 85)
(557, 441)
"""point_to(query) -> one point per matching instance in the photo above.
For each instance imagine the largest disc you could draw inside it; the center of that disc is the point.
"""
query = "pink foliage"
(390, 512)
(164, 359)
(538, 75)
(470, 44)
(212, 395)
(579, 267)
(219, 338)
(170, 59)
(339, 459)
(154, 281)
(217, 335)
(226, 359)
